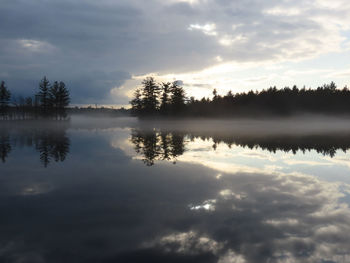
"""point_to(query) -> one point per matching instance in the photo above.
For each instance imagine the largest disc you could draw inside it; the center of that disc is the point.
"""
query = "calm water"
(124, 191)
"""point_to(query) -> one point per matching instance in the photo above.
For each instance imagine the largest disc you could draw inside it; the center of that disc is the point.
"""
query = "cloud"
(97, 86)
(207, 29)
(71, 39)
(340, 74)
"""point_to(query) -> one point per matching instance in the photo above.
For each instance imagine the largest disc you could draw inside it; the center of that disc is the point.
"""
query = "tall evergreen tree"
(5, 97)
(215, 94)
(150, 95)
(54, 98)
(59, 99)
(136, 102)
(64, 96)
(178, 98)
(44, 96)
(165, 99)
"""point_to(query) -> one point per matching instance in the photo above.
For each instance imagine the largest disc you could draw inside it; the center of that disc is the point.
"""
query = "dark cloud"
(96, 86)
(70, 39)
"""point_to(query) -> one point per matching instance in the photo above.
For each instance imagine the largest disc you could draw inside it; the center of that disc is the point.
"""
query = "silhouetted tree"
(59, 99)
(54, 98)
(166, 98)
(215, 94)
(5, 97)
(326, 99)
(44, 96)
(136, 103)
(177, 98)
(64, 98)
(48, 101)
(150, 93)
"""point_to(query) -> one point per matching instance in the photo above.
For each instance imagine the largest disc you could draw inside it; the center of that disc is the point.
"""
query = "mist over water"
(128, 190)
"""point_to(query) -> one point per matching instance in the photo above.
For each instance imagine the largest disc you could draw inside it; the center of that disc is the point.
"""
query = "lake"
(123, 190)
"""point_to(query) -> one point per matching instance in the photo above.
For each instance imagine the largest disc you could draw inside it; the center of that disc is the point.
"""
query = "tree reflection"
(5, 145)
(157, 144)
(327, 145)
(51, 143)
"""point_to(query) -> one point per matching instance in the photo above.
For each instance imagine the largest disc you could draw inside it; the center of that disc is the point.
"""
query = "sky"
(103, 49)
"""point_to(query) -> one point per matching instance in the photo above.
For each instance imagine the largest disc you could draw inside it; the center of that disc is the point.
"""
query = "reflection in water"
(52, 145)
(157, 144)
(5, 145)
(264, 218)
(324, 144)
(121, 211)
(51, 142)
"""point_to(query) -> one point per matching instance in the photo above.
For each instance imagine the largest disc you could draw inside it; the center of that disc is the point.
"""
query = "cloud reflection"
(294, 218)
(102, 205)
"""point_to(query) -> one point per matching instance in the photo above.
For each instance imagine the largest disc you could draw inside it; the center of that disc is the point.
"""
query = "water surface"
(120, 190)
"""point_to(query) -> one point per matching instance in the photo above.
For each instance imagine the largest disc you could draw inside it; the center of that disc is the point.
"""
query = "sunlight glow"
(279, 11)
(208, 205)
(35, 45)
(207, 29)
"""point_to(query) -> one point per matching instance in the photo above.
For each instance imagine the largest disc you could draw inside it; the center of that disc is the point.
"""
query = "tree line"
(101, 111)
(169, 99)
(49, 102)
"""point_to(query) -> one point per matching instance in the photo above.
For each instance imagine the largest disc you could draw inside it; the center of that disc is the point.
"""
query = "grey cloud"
(181, 8)
(139, 37)
(96, 86)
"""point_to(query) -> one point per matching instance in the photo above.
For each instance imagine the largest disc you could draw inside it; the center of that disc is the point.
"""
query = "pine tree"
(178, 98)
(150, 95)
(54, 98)
(44, 96)
(136, 102)
(215, 94)
(165, 100)
(5, 97)
(59, 99)
(64, 96)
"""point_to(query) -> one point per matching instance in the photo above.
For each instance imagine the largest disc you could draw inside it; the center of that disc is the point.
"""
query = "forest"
(169, 99)
(49, 102)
